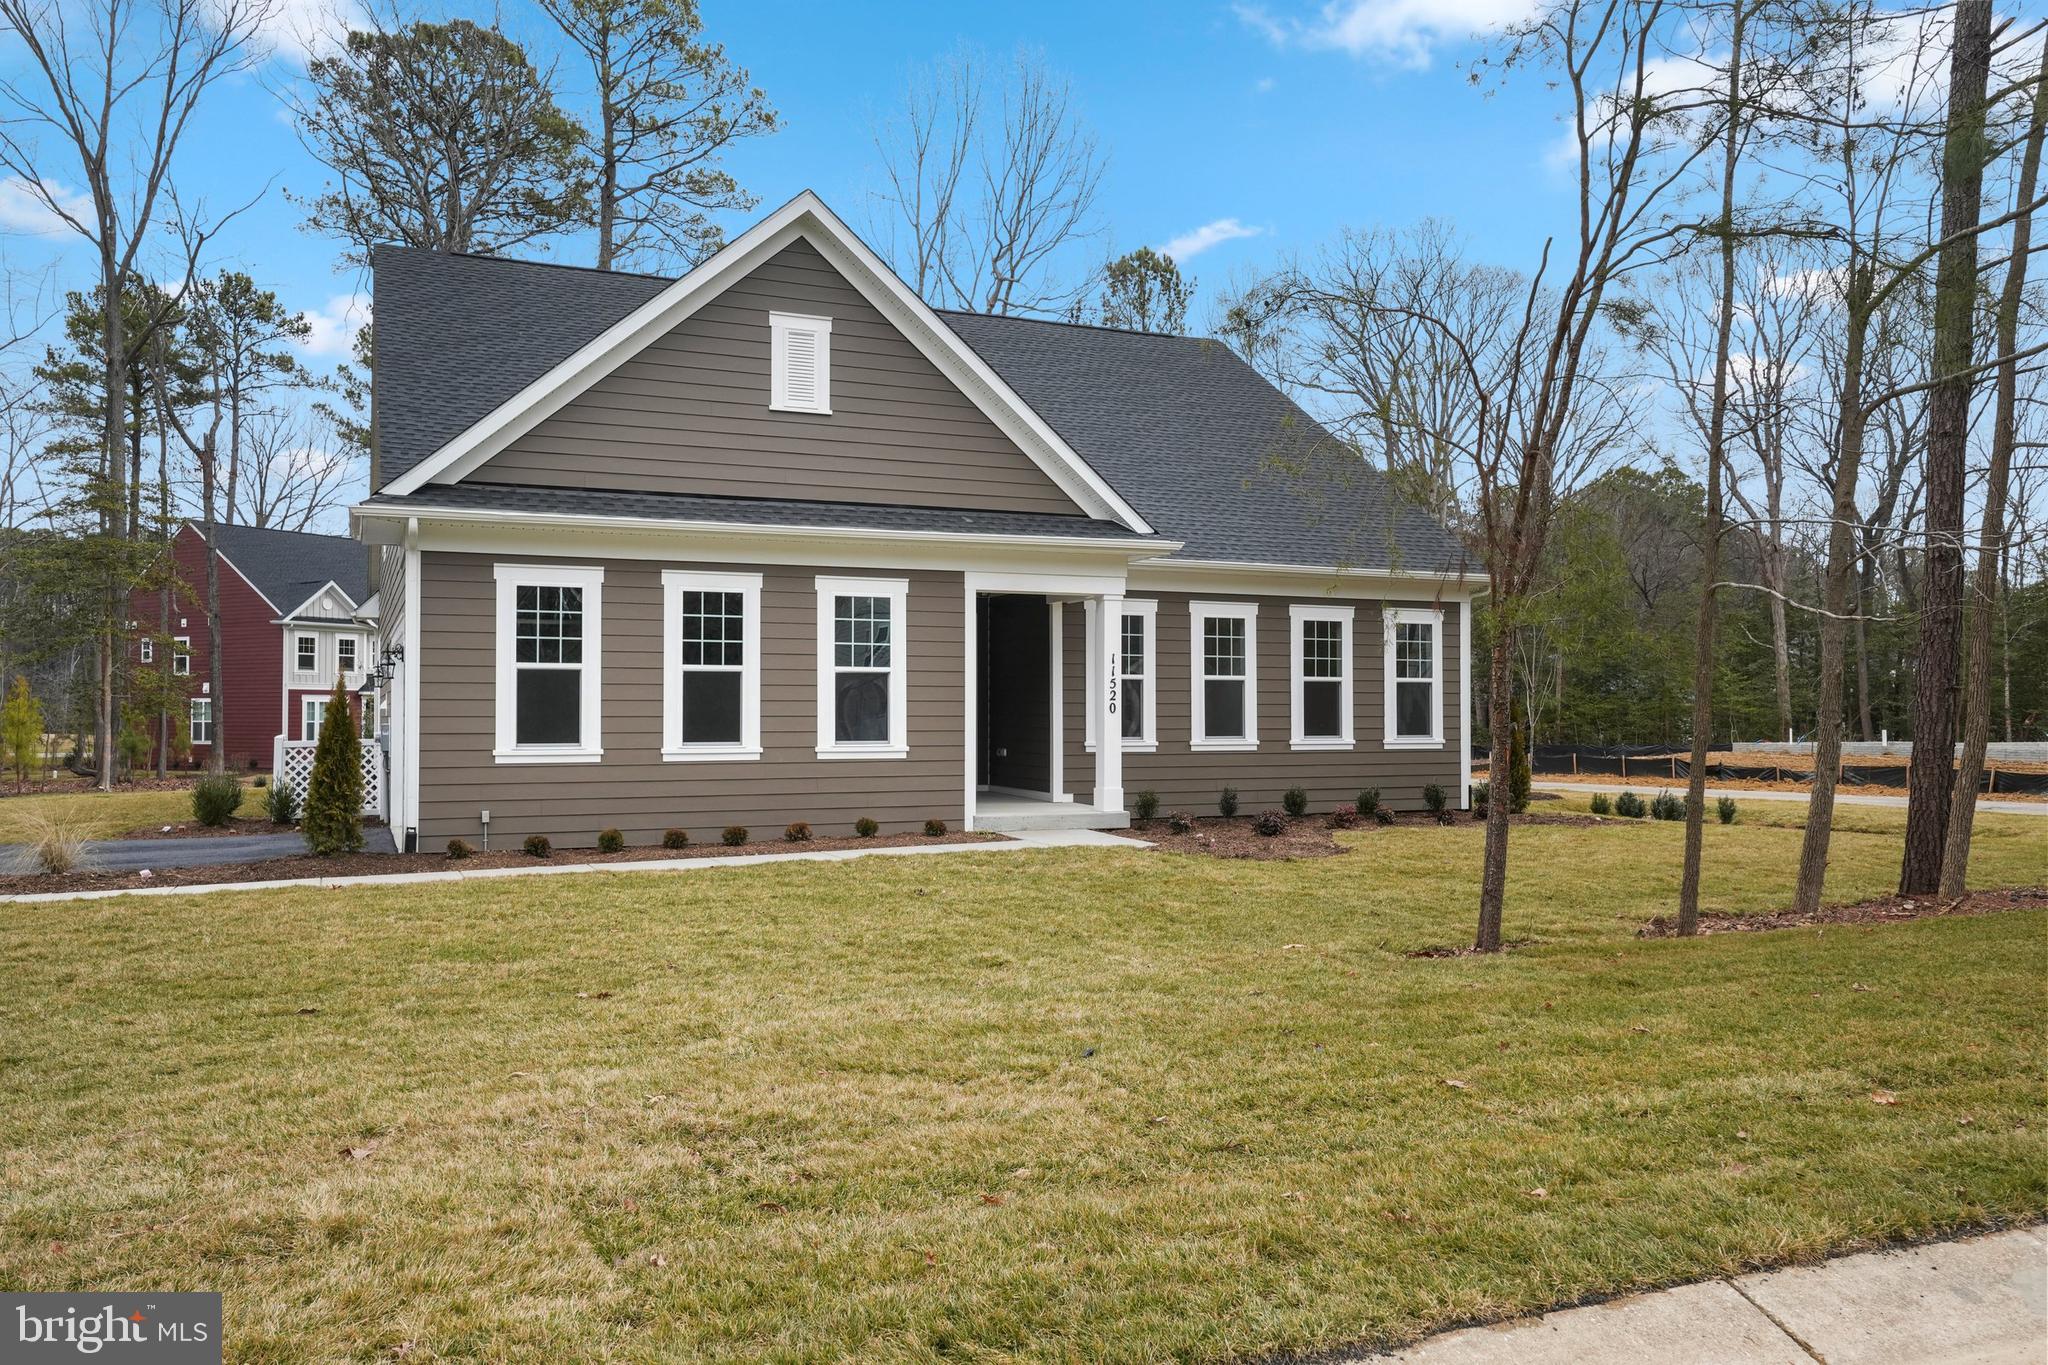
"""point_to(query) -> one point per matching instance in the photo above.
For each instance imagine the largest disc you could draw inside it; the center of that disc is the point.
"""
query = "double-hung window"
(1321, 637)
(1414, 678)
(148, 650)
(345, 655)
(181, 655)
(862, 710)
(202, 720)
(1224, 666)
(306, 659)
(550, 658)
(711, 665)
(312, 715)
(1137, 671)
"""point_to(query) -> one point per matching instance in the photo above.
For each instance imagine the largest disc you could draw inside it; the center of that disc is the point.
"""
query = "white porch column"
(1109, 725)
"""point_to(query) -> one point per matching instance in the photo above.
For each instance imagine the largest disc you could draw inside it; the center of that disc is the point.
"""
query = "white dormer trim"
(807, 217)
(799, 363)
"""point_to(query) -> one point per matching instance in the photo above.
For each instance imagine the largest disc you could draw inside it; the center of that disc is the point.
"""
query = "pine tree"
(333, 821)
(21, 731)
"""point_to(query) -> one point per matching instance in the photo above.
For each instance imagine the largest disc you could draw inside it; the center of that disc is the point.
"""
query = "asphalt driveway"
(131, 855)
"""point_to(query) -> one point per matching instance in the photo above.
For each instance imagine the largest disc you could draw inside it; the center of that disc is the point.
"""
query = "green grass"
(1063, 1105)
(100, 815)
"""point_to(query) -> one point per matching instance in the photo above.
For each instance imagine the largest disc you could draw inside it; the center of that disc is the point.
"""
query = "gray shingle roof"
(1206, 450)
(290, 566)
(787, 512)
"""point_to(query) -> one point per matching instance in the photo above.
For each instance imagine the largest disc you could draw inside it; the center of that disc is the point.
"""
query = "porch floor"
(1004, 813)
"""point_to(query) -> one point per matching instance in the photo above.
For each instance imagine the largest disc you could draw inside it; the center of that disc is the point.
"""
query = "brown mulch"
(192, 829)
(72, 785)
(1309, 836)
(379, 864)
(1884, 910)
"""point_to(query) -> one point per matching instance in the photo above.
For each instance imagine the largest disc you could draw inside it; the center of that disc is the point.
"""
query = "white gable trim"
(315, 596)
(807, 217)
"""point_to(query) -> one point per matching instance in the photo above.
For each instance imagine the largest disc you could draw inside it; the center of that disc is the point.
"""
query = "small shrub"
(1145, 804)
(215, 797)
(1725, 809)
(1269, 823)
(1518, 770)
(537, 846)
(52, 846)
(1344, 817)
(1629, 806)
(1369, 802)
(260, 781)
(610, 841)
(1381, 815)
(1601, 805)
(797, 833)
(1481, 793)
(1226, 804)
(934, 828)
(281, 804)
(734, 835)
(866, 828)
(675, 838)
(1665, 806)
(1295, 802)
(1180, 822)
(1435, 799)
(460, 848)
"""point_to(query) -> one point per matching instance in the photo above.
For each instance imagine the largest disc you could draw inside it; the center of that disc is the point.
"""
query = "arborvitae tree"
(333, 821)
(21, 731)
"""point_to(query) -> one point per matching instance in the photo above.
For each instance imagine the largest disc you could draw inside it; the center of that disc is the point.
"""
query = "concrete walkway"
(1067, 838)
(1842, 798)
(1983, 1300)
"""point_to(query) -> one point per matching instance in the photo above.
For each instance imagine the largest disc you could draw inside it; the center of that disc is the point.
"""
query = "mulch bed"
(1310, 836)
(69, 785)
(1885, 910)
(238, 827)
(379, 864)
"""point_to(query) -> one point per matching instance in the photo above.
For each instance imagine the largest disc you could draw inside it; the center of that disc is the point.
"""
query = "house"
(776, 541)
(292, 616)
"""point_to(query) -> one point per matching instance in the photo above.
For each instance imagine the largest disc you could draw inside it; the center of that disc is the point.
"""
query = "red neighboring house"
(292, 616)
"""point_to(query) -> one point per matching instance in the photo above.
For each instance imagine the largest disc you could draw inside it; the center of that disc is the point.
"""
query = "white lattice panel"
(292, 764)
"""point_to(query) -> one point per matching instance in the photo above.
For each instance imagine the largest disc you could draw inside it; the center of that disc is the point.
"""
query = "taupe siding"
(690, 414)
(1193, 780)
(632, 788)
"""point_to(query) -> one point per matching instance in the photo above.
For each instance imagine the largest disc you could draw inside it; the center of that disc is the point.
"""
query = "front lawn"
(104, 815)
(1073, 1104)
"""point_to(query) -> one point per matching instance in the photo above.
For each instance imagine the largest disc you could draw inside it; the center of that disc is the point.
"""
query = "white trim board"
(807, 217)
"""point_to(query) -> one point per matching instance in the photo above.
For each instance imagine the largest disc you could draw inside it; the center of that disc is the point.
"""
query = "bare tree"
(114, 83)
(980, 202)
(297, 473)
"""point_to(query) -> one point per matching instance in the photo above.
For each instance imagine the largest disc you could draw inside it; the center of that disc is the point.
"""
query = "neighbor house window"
(1414, 673)
(800, 364)
(711, 665)
(366, 715)
(307, 660)
(202, 720)
(1137, 673)
(148, 648)
(312, 715)
(1223, 661)
(861, 658)
(550, 654)
(345, 654)
(181, 655)
(1322, 676)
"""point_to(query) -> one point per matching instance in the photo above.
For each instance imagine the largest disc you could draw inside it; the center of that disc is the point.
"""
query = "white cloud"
(1264, 85)
(1191, 244)
(23, 211)
(1403, 32)
(335, 324)
(300, 30)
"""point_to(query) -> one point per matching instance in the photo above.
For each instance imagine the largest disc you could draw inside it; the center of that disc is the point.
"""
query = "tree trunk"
(114, 359)
(1955, 855)
(1866, 730)
(1930, 775)
(215, 752)
(1781, 645)
(1493, 877)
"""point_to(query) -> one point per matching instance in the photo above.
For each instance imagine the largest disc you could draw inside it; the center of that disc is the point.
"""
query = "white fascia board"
(804, 216)
(330, 583)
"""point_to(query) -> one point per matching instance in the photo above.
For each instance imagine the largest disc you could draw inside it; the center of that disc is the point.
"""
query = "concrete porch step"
(1014, 815)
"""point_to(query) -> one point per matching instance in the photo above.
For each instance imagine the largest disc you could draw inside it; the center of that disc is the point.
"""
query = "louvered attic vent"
(800, 366)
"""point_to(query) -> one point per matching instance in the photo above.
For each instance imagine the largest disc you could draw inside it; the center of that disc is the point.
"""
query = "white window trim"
(297, 640)
(308, 727)
(1133, 606)
(1198, 613)
(780, 325)
(357, 645)
(674, 583)
(511, 578)
(897, 590)
(148, 653)
(181, 656)
(1298, 614)
(1434, 618)
(192, 721)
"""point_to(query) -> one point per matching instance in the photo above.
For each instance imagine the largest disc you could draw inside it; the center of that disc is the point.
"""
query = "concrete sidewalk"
(1646, 790)
(1982, 1300)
